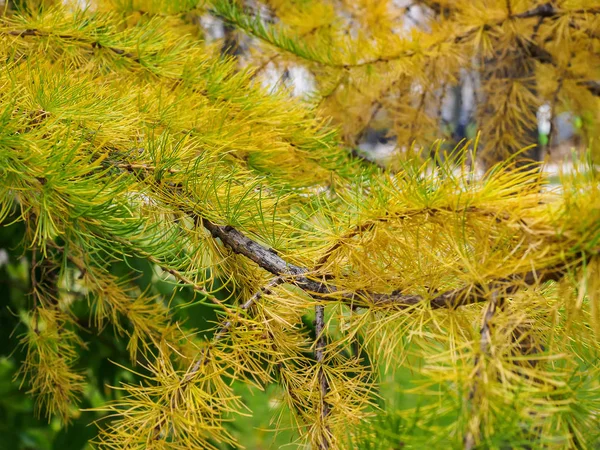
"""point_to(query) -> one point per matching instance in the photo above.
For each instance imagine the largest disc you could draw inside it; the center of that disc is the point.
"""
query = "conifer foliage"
(395, 65)
(127, 142)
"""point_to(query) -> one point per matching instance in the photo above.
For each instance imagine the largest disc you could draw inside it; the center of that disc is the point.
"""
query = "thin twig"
(203, 357)
(248, 304)
(33, 276)
(273, 57)
(92, 44)
(140, 166)
(485, 342)
(323, 383)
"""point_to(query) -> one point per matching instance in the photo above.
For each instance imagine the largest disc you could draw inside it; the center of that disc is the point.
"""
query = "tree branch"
(323, 383)
(592, 86)
(485, 342)
(92, 44)
(248, 304)
(545, 57)
(548, 10)
(266, 258)
(270, 261)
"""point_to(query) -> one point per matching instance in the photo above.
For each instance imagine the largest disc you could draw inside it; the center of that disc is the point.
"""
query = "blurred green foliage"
(104, 361)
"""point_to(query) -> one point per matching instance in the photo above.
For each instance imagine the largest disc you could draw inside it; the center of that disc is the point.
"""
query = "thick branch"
(270, 261)
(472, 294)
(266, 258)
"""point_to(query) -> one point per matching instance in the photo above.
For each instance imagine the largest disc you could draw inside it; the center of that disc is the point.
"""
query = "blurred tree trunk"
(507, 128)
(231, 44)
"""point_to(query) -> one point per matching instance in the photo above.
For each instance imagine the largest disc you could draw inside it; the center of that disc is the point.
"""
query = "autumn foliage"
(234, 238)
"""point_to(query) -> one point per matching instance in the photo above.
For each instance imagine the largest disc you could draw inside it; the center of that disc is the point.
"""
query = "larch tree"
(393, 65)
(228, 233)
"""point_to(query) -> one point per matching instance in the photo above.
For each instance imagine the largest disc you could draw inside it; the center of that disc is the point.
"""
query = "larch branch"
(592, 86)
(92, 44)
(323, 383)
(270, 261)
(248, 303)
(485, 342)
